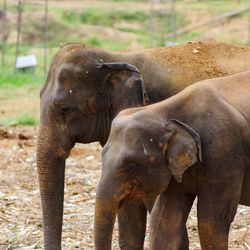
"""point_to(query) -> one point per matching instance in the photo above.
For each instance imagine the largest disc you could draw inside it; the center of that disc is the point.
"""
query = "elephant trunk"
(51, 155)
(106, 208)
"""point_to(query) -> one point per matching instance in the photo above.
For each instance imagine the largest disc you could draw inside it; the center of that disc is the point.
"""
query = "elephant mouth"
(131, 189)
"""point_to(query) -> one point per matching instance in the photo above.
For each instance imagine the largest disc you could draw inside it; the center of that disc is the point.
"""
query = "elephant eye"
(66, 110)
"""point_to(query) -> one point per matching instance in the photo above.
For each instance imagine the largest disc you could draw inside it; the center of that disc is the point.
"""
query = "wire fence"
(28, 32)
(22, 34)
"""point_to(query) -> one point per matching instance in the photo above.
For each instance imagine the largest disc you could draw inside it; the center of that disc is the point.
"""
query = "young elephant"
(201, 137)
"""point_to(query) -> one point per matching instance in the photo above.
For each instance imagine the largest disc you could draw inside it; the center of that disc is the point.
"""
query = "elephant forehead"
(69, 66)
(71, 80)
(133, 132)
(68, 72)
(130, 147)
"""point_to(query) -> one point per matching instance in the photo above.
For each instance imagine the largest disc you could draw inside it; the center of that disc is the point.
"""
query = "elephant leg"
(132, 218)
(168, 219)
(217, 205)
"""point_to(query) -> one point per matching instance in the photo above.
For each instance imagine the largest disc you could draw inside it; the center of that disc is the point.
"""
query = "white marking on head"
(144, 149)
(70, 91)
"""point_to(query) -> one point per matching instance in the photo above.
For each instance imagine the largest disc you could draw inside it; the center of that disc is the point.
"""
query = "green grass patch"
(24, 120)
(13, 77)
(96, 41)
(95, 16)
(109, 17)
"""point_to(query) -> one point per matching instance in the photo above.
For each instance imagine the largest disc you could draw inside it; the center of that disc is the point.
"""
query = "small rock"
(15, 148)
(30, 160)
(90, 158)
(23, 137)
(195, 51)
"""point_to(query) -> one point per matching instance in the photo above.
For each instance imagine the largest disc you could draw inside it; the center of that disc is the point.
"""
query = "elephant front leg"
(217, 205)
(168, 219)
(132, 225)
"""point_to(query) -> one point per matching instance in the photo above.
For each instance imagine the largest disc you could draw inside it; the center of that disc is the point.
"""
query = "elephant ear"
(181, 146)
(128, 87)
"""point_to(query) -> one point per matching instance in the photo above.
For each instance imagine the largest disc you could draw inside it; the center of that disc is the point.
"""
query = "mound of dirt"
(193, 61)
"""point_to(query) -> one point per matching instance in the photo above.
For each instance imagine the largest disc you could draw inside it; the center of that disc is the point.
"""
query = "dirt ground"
(20, 211)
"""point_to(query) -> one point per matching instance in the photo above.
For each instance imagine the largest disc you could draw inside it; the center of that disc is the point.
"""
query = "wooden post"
(19, 24)
(45, 37)
(173, 20)
(3, 31)
(249, 30)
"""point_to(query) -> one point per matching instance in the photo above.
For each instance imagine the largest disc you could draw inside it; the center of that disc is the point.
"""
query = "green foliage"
(70, 16)
(104, 17)
(109, 17)
(96, 41)
(13, 77)
(24, 119)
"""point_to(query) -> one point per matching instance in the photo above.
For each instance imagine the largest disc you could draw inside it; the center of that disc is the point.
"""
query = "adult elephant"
(201, 137)
(86, 88)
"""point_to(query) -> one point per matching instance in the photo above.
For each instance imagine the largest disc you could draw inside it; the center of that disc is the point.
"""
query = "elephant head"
(86, 93)
(139, 159)
(83, 92)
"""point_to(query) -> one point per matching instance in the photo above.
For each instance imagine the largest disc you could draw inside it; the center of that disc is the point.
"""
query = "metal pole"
(19, 21)
(249, 30)
(3, 31)
(173, 20)
(45, 37)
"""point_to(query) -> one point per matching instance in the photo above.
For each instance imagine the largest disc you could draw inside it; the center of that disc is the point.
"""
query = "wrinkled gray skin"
(201, 137)
(84, 90)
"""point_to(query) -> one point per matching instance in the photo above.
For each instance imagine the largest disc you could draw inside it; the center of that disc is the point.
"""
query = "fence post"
(45, 37)
(3, 31)
(19, 24)
(249, 30)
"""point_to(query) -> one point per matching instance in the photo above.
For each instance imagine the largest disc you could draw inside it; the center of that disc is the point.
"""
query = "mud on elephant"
(201, 138)
(87, 87)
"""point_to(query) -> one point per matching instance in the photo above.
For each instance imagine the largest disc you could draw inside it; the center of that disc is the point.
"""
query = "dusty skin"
(20, 211)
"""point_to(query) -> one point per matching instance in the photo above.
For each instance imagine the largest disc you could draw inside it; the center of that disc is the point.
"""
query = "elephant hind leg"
(217, 205)
(168, 219)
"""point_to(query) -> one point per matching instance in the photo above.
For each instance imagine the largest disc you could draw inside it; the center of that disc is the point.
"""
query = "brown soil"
(194, 61)
(20, 211)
